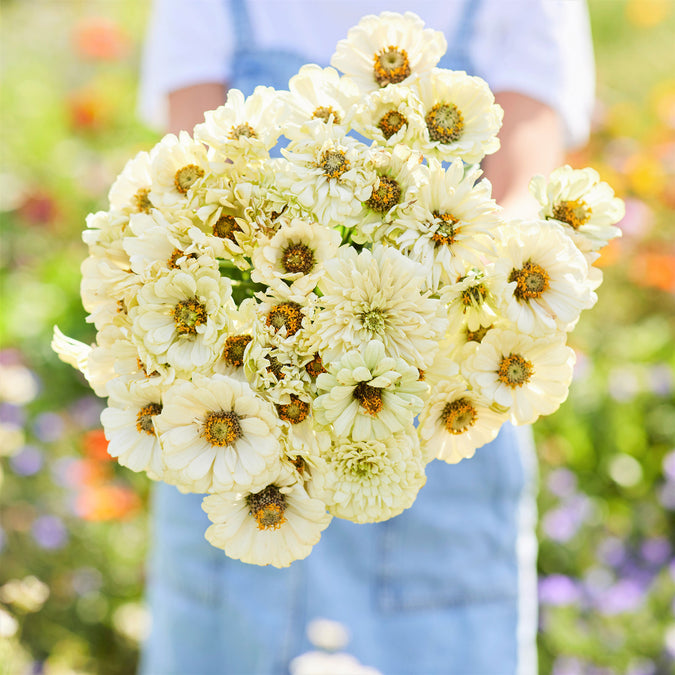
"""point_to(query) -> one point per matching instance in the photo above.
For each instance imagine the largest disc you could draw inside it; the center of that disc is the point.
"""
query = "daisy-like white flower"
(470, 301)
(392, 193)
(451, 224)
(128, 422)
(181, 318)
(176, 164)
(388, 49)
(376, 295)
(455, 421)
(317, 93)
(328, 173)
(231, 361)
(528, 376)
(130, 193)
(541, 278)
(283, 318)
(273, 525)
(371, 480)
(368, 394)
(390, 116)
(218, 435)
(584, 205)
(295, 254)
(462, 118)
(244, 127)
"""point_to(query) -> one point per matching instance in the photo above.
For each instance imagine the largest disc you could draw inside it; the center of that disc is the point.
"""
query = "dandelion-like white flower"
(583, 204)
(296, 254)
(452, 223)
(388, 49)
(462, 118)
(273, 525)
(371, 480)
(368, 394)
(455, 421)
(128, 422)
(218, 435)
(528, 376)
(243, 127)
(181, 318)
(541, 278)
(376, 295)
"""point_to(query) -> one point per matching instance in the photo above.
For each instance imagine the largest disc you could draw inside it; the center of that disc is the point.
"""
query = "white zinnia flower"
(470, 301)
(181, 318)
(128, 422)
(371, 480)
(376, 295)
(296, 254)
(104, 233)
(462, 118)
(218, 435)
(529, 376)
(369, 395)
(584, 205)
(176, 164)
(541, 278)
(273, 525)
(243, 127)
(452, 223)
(328, 173)
(387, 49)
(455, 421)
(130, 192)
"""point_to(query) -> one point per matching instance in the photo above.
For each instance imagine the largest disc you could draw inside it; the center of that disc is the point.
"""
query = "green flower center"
(334, 163)
(268, 507)
(187, 315)
(374, 320)
(390, 66)
(514, 370)
(444, 123)
(186, 177)
(222, 428)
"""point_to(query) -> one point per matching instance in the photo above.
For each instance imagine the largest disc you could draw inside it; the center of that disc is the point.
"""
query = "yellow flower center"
(445, 123)
(446, 229)
(458, 416)
(514, 370)
(574, 212)
(294, 412)
(225, 227)
(334, 163)
(298, 258)
(373, 320)
(476, 335)
(141, 201)
(186, 177)
(370, 398)
(286, 314)
(390, 66)
(532, 281)
(177, 254)
(474, 295)
(144, 418)
(385, 196)
(187, 315)
(391, 122)
(324, 113)
(275, 367)
(315, 367)
(244, 130)
(235, 346)
(222, 428)
(268, 507)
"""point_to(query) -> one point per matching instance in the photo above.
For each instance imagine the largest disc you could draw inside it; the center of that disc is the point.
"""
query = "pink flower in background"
(99, 38)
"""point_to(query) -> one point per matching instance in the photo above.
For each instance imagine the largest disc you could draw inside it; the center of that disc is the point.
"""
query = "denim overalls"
(446, 587)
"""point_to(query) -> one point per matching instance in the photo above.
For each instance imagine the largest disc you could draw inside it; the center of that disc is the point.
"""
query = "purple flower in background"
(641, 666)
(611, 551)
(49, 427)
(656, 551)
(28, 461)
(561, 482)
(666, 495)
(12, 414)
(660, 378)
(87, 411)
(669, 465)
(49, 532)
(562, 523)
(625, 595)
(559, 590)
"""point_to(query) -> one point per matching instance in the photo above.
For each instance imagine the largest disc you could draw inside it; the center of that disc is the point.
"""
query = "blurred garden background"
(73, 530)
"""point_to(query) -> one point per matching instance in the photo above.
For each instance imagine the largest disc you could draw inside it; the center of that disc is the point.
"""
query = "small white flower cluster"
(299, 336)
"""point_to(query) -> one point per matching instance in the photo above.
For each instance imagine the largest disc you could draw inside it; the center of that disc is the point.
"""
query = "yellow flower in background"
(646, 175)
(662, 101)
(648, 13)
(625, 119)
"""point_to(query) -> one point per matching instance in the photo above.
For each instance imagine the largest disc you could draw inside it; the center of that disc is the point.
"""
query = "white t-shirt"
(540, 48)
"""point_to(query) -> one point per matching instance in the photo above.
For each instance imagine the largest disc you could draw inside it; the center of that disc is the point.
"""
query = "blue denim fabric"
(434, 590)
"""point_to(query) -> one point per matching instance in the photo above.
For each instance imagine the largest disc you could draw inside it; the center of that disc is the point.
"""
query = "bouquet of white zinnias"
(299, 335)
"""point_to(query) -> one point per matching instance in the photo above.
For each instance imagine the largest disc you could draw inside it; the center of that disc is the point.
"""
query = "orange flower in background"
(100, 39)
(88, 110)
(95, 446)
(107, 502)
(654, 269)
(610, 254)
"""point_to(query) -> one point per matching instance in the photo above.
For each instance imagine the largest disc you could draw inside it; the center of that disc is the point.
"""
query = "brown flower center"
(574, 212)
(187, 315)
(298, 258)
(144, 418)
(458, 416)
(294, 412)
(385, 196)
(514, 370)
(390, 66)
(268, 507)
(235, 346)
(286, 314)
(444, 123)
(477, 335)
(315, 367)
(391, 122)
(225, 227)
(186, 177)
(222, 428)
(370, 398)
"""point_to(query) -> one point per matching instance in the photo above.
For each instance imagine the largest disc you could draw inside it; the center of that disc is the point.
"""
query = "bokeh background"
(73, 529)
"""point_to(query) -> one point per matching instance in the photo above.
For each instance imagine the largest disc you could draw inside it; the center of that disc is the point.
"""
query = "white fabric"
(517, 45)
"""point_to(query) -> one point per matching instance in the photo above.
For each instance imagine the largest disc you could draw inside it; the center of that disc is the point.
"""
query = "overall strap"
(458, 55)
